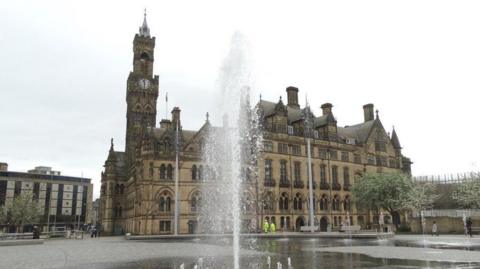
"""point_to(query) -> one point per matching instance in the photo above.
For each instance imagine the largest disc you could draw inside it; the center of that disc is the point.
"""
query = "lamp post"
(309, 167)
(176, 180)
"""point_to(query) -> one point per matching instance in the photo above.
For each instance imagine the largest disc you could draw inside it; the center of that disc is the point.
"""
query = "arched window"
(297, 202)
(268, 201)
(122, 189)
(283, 201)
(144, 56)
(346, 203)
(169, 171)
(163, 170)
(196, 201)
(120, 211)
(200, 172)
(324, 202)
(336, 203)
(165, 202)
(150, 170)
(194, 172)
(117, 189)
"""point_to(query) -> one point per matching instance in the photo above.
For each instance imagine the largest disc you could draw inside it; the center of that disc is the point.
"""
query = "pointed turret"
(111, 152)
(144, 30)
(395, 140)
(280, 108)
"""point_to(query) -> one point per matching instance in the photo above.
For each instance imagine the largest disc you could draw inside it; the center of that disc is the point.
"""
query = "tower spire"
(144, 30)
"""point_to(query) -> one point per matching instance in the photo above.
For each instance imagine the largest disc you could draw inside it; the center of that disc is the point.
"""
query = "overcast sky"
(64, 66)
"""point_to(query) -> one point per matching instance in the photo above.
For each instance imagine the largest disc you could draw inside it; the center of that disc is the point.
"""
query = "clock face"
(144, 83)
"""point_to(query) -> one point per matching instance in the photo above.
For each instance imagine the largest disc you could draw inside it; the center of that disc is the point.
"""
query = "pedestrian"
(434, 229)
(266, 225)
(272, 227)
(469, 226)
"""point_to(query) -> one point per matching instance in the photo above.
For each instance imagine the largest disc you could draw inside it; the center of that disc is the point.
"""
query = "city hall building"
(138, 187)
(64, 201)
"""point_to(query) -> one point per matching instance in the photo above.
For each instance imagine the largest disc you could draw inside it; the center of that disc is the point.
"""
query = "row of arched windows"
(165, 171)
(297, 202)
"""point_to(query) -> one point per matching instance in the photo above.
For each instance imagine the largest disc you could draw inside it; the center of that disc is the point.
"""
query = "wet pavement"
(115, 252)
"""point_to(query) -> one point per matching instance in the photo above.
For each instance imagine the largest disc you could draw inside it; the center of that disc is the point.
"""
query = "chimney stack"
(176, 117)
(4, 167)
(292, 96)
(326, 108)
(368, 112)
(165, 124)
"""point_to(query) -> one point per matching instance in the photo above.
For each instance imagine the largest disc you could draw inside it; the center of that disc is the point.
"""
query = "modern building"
(137, 191)
(64, 201)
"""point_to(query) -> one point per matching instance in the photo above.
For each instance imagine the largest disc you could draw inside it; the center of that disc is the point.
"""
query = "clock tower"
(142, 91)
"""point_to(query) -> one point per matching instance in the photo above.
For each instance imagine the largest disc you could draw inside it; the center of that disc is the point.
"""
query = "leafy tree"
(3, 215)
(24, 210)
(387, 191)
(467, 194)
(421, 196)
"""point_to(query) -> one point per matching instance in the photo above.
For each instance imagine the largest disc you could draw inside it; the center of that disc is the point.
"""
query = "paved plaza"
(106, 252)
(99, 253)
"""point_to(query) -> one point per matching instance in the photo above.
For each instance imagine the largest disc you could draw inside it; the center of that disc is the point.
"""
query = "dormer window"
(290, 129)
(351, 141)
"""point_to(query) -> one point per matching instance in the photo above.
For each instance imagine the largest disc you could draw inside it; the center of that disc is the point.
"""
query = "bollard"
(279, 265)
(182, 266)
(289, 262)
(269, 262)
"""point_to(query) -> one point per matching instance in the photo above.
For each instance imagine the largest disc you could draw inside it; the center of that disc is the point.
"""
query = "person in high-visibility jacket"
(272, 227)
(265, 226)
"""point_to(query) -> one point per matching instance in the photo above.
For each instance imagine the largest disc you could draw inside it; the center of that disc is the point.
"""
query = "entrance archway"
(323, 224)
(299, 223)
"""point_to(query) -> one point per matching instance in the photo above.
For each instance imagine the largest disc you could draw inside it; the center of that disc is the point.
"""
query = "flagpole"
(166, 105)
(176, 182)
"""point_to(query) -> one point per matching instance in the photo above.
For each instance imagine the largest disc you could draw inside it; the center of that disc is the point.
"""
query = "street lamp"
(309, 165)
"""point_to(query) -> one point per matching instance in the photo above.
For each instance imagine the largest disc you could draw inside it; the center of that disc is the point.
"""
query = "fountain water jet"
(230, 150)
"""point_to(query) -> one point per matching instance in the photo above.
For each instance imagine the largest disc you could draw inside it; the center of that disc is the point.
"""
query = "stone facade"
(137, 192)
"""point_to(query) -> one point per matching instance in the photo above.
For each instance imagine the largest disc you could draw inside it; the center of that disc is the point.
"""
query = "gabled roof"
(360, 132)
(395, 140)
(294, 114)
